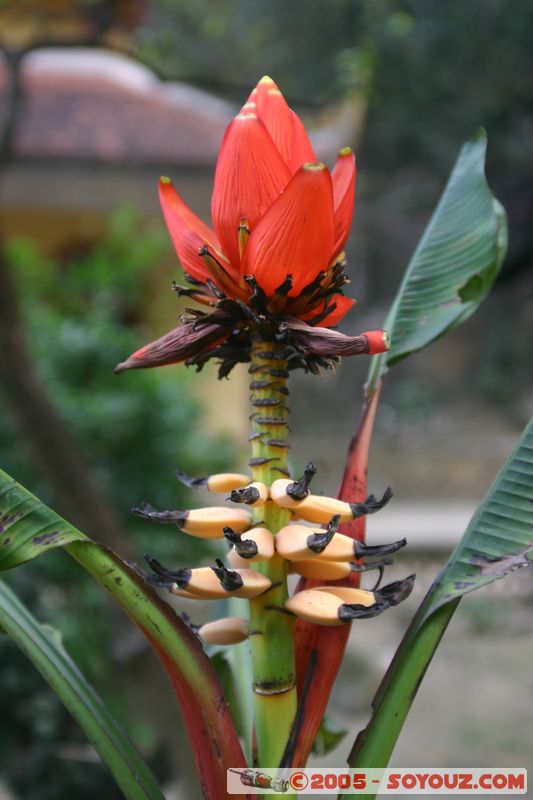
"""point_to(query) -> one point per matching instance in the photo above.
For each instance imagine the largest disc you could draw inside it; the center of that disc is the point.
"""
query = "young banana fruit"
(336, 605)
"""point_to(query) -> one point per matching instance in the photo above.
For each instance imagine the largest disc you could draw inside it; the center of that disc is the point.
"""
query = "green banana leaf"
(454, 265)
(498, 540)
(57, 668)
(27, 527)
(30, 528)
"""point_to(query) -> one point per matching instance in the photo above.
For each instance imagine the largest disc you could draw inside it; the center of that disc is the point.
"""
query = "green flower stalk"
(272, 638)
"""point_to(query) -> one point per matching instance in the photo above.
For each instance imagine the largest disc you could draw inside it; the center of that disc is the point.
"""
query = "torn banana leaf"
(28, 528)
(454, 265)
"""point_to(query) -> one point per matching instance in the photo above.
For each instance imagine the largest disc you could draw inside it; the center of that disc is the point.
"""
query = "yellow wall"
(225, 402)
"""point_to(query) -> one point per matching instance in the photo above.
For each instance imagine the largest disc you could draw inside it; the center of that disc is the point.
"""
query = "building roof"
(95, 105)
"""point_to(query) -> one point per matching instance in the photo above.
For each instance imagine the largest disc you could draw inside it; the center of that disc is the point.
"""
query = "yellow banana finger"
(255, 494)
(203, 523)
(288, 493)
(257, 544)
(332, 605)
(321, 608)
(229, 630)
(209, 583)
(321, 570)
(300, 543)
(220, 482)
(320, 509)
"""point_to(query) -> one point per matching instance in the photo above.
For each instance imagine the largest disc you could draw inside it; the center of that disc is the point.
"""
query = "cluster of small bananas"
(324, 555)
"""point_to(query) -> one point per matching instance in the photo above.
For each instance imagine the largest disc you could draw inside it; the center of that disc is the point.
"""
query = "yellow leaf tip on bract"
(165, 180)
(345, 151)
(314, 166)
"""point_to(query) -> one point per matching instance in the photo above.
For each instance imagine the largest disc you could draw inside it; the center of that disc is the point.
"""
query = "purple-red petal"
(175, 346)
(325, 342)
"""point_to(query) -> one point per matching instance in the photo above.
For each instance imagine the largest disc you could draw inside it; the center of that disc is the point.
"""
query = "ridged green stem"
(271, 638)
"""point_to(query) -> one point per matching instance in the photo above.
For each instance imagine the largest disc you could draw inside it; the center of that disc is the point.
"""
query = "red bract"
(275, 256)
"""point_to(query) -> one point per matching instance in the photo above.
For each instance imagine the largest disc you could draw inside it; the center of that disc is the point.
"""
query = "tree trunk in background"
(53, 451)
(51, 447)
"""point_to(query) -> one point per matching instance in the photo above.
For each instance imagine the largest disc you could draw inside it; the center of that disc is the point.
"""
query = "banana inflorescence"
(319, 554)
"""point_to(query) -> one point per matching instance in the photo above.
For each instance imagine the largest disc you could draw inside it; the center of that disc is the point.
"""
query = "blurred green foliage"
(83, 312)
(433, 72)
(35, 744)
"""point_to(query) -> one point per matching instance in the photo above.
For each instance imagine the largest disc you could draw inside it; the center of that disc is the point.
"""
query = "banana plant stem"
(271, 638)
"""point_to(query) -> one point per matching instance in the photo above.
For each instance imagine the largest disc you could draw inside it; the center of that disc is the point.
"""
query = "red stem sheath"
(212, 734)
(320, 649)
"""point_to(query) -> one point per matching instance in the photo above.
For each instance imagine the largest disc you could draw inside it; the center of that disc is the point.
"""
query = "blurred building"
(95, 130)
